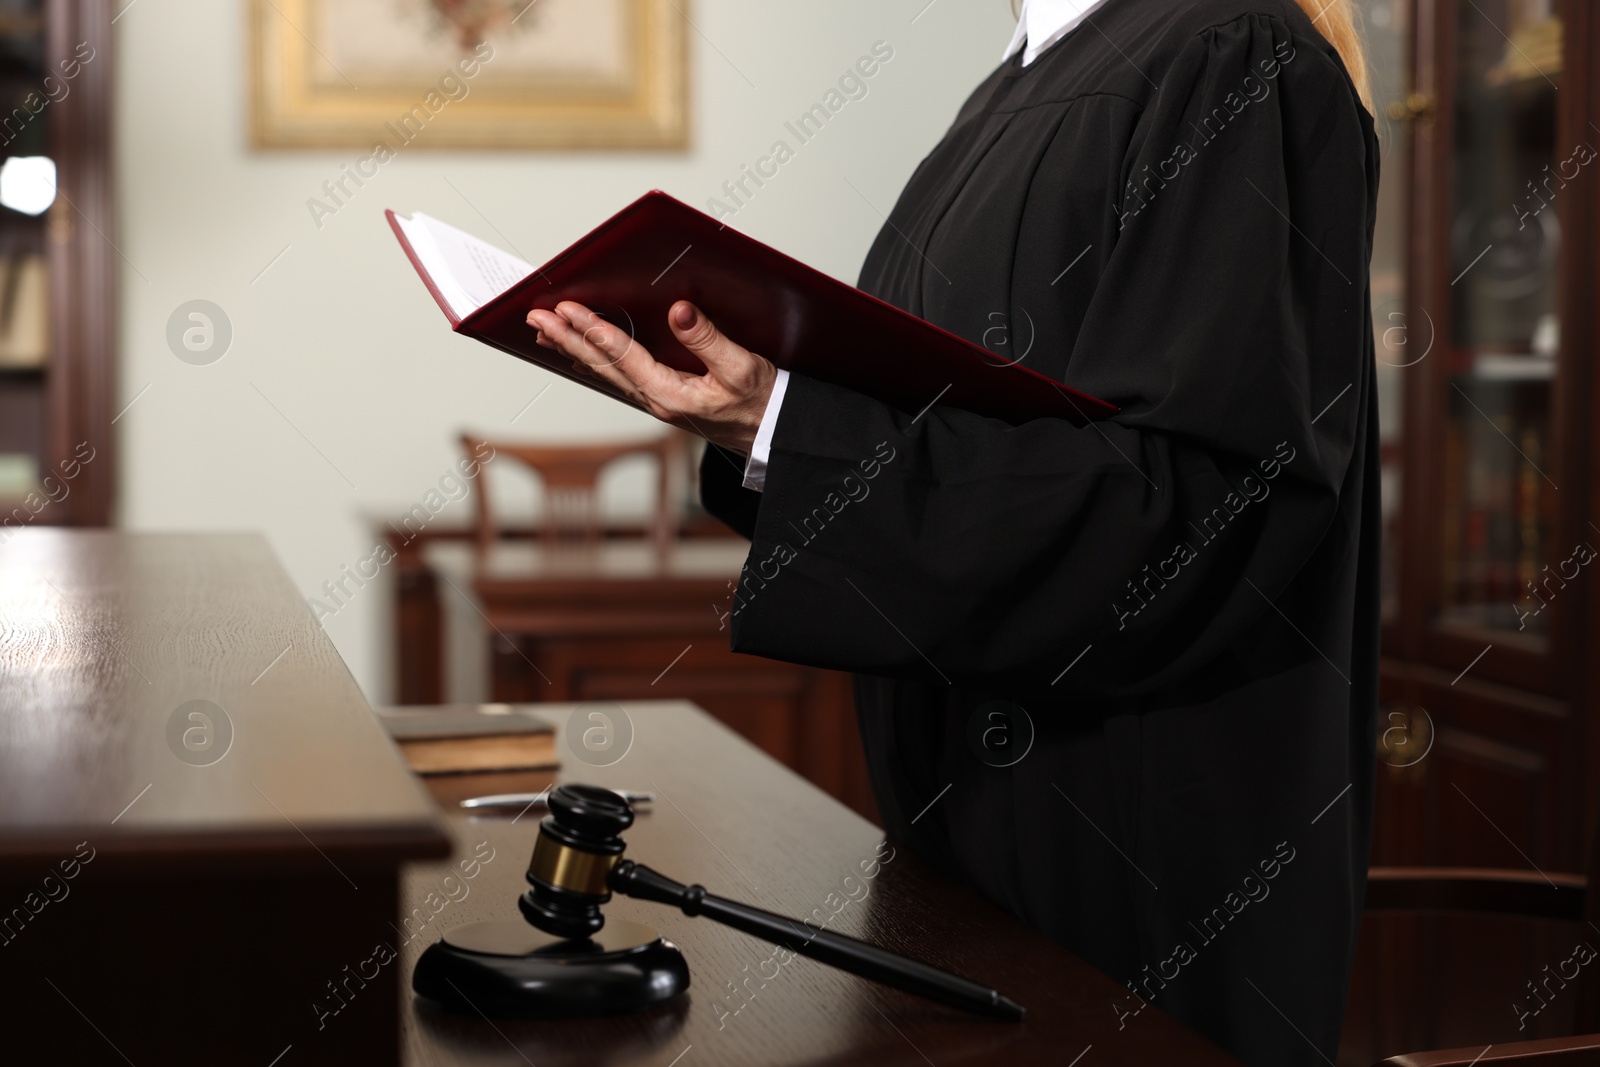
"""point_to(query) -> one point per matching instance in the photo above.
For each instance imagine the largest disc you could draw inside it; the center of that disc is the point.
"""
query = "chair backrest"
(570, 475)
(1560, 896)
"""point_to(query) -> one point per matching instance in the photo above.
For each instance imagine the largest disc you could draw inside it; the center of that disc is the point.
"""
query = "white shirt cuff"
(755, 469)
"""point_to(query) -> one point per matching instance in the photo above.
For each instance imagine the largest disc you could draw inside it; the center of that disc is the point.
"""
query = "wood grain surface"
(105, 636)
(209, 900)
(731, 818)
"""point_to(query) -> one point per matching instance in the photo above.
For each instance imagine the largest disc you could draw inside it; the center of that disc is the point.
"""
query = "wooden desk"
(576, 589)
(729, 817)
(419, 624)
(178, 890)
(623, 620)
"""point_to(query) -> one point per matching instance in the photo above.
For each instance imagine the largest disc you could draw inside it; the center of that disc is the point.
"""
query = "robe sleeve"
(1230, 323)
(725, 496)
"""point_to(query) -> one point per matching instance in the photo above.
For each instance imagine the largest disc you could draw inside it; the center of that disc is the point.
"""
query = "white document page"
(467, 272)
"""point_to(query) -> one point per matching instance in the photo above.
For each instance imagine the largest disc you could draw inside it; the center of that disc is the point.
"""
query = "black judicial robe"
(1172, 209)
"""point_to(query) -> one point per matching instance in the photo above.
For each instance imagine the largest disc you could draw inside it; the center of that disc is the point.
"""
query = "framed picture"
(513, 74)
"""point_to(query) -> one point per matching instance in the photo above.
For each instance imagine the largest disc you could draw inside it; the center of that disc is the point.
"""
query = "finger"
(592, 327)
(608, 344)
(722, 357)
(631, 375)
(585, 357)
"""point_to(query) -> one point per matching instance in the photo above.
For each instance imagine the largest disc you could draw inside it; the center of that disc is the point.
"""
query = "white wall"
(369, 386)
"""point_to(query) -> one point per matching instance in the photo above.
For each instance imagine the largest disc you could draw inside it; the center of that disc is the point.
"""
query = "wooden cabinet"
(1497, 290)
(57, 265)
(626, 620)
(255, 821)
(1484, 303)
(800, 716)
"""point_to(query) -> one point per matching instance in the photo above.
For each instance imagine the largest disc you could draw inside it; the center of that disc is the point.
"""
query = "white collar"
(1044, 22)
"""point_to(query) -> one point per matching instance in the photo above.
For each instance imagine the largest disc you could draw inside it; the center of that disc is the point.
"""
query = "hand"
(724, 405)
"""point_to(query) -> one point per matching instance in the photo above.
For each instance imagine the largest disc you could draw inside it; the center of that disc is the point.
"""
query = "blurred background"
(205, 323)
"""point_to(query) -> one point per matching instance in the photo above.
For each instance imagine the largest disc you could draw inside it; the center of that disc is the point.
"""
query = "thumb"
(697, 333)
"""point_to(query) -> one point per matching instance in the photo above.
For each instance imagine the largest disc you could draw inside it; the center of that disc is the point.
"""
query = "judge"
(1119, 677)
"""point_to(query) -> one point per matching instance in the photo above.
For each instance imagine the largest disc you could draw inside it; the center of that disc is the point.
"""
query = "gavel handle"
(632, 879)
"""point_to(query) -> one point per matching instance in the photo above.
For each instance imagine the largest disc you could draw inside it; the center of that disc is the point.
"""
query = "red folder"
(658, 250)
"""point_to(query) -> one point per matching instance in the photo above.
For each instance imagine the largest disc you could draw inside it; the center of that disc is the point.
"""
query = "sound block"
(506, 968)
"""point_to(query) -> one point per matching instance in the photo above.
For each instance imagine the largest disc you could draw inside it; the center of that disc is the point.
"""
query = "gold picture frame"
(578, 74)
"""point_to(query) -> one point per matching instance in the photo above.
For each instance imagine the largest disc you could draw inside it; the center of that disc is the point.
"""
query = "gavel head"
(577, 848)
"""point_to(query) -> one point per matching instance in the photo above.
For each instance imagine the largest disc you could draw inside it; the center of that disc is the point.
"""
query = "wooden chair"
(1507, 892)
(570, 475)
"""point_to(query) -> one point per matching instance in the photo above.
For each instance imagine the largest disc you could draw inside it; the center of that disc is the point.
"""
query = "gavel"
(576, 866)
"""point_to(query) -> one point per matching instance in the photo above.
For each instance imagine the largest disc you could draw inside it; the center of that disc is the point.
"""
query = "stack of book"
(472, 738)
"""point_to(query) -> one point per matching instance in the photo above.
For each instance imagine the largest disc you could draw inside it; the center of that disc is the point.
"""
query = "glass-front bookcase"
(58, 265)
(1501, 194)
(27, 178)
(1511, 163)
(1485, 305)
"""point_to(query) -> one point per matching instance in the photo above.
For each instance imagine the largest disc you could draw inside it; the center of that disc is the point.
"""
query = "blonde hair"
(1336, 21)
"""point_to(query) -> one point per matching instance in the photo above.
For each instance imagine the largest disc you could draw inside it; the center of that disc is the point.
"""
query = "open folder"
(657, 250)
